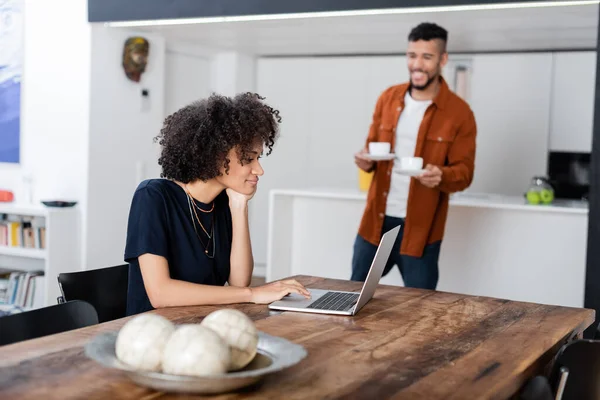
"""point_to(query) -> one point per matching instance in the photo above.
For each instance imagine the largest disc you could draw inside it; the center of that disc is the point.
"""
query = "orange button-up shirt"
(446, 139)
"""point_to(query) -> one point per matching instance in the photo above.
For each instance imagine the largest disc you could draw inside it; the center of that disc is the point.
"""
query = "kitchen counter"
(494, 245)
(456, 199)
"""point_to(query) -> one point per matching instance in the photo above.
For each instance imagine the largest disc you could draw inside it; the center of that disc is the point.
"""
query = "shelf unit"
(62, 246)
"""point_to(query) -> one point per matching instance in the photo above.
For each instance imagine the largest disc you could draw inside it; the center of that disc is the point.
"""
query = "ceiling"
(545, 28)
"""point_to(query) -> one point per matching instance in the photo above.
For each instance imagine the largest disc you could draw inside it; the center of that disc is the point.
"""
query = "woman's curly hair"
(195, 140)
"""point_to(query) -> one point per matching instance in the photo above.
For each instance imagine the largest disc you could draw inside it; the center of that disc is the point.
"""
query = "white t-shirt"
(406, 140)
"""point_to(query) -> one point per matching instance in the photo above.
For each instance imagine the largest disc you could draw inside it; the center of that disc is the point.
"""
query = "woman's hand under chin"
(238, 200)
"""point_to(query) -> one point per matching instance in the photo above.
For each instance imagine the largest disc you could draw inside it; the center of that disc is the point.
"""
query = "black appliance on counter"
(569, 174)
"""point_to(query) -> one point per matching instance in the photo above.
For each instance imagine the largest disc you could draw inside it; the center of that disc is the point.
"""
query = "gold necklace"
(209, 236)
(196, 205)
(190, 200)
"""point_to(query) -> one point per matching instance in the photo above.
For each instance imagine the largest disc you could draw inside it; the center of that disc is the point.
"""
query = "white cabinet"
(572, 115)
(510, 97)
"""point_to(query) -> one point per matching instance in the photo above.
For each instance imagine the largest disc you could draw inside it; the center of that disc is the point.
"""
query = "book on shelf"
(22, 231)
(22, 289)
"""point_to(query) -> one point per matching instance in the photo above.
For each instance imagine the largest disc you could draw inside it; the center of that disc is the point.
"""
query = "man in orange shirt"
(420, 118)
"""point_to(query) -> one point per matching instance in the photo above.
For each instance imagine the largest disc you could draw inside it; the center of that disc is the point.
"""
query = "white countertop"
(458, 199)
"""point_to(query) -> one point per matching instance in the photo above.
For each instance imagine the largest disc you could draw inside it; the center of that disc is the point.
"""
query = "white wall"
(232, 73)
(122, 151)
(54, 105)
(54, 102)
(187, 79)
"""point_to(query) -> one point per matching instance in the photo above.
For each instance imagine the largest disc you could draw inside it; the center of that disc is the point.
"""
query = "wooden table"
(405, 344)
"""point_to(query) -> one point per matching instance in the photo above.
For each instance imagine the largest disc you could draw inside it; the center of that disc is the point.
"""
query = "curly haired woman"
(188, 232)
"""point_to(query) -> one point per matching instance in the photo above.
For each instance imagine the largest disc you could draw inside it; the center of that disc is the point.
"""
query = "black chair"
(104, 288)
(538, 388)
(576, 370)
(46, 321)
(575, 374)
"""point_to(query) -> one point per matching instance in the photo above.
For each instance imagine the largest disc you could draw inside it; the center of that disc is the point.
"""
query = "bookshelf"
(19, 252)
(61, 251)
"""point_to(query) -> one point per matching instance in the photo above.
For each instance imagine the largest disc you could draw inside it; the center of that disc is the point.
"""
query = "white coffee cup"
(411, 163)
(379, 148)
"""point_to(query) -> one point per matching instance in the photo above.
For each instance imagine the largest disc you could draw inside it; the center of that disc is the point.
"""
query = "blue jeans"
(417, 272)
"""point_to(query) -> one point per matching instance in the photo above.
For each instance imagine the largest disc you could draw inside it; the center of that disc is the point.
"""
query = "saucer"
(383, 157)
(411, 172)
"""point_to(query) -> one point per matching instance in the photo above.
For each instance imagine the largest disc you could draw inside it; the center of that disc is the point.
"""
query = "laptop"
(338, 302)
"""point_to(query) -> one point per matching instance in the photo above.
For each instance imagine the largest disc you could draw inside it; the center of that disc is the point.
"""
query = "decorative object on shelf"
(58, 203)
(540, 191)
(135, 57)
(6, 196)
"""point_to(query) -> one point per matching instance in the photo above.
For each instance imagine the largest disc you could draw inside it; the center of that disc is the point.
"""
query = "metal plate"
(273, 354)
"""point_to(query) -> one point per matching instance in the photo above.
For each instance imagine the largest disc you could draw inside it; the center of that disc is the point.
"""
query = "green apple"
(546, 196)
(533, 197)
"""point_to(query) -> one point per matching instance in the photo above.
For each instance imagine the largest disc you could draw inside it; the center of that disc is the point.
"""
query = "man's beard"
(426, 85)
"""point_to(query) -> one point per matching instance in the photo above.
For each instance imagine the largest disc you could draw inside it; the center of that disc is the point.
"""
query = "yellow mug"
(364, 180)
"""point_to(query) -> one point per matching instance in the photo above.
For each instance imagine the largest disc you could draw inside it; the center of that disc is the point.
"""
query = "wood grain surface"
(404, 344)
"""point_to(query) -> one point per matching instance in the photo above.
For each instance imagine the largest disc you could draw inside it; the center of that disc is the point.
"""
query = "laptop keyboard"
(335, 301)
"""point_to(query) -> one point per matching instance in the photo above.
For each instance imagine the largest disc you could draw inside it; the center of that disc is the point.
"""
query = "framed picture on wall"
(11, 71)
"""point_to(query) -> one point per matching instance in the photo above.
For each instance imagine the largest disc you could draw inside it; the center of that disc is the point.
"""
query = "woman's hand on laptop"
(274, 291)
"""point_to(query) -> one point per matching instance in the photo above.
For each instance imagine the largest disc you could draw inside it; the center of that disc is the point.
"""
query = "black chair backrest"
(46, 321)
(104, 288)
(581, 358)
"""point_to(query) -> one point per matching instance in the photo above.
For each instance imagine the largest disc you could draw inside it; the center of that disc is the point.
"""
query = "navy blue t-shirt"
(160, 223)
